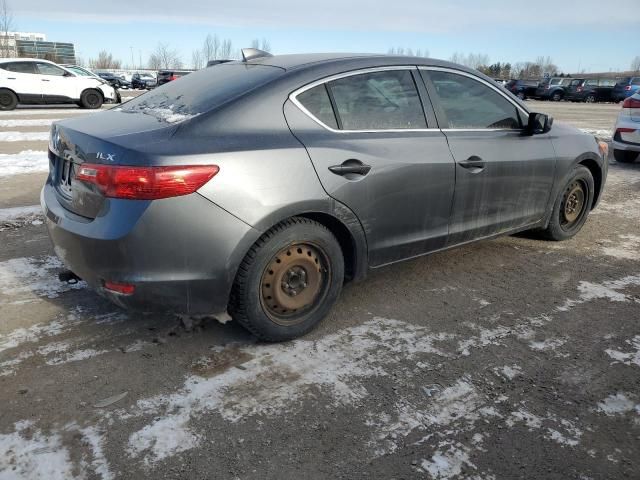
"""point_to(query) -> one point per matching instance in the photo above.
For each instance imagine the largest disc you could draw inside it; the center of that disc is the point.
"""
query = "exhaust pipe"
(67, 276)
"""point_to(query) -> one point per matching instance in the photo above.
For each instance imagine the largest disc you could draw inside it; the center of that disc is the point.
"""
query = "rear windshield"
(201, 91)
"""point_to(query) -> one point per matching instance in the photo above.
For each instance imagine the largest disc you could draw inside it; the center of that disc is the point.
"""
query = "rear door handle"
(474, 164)
(350, 167)
(45, 80)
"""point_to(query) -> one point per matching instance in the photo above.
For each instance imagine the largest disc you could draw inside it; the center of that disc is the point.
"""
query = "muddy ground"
(511, 358)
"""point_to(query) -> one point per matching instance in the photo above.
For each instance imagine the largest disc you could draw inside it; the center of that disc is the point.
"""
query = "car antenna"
(251, 53)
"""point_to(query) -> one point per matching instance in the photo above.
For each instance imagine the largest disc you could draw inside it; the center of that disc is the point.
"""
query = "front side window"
(468, 103)
(378, 101)
(316, 101)
(47, 69)
(591, 83)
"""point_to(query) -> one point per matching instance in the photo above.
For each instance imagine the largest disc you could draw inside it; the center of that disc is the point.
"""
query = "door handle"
(350, 166)
(474, 164)
(45, 80)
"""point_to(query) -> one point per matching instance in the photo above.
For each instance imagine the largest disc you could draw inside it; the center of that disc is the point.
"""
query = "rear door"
(22, 78)
(503, 177)
(375, 151)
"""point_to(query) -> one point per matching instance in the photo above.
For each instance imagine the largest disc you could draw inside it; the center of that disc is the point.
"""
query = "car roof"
(27, 60)
(299, 61)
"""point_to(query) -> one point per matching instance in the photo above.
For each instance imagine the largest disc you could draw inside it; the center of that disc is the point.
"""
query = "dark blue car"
(625, 88)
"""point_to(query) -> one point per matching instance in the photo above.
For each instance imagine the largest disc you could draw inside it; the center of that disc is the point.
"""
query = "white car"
(35, 81)
(626, 137)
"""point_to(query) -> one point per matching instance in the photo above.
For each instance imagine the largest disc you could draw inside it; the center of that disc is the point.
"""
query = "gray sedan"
(257, 188)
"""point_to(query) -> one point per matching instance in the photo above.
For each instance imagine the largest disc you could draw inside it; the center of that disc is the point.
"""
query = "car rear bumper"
(627, 147)
(181, 254)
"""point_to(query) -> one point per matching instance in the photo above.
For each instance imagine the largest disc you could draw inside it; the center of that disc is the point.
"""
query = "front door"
(503, 177)
(56, 87)
(373, 150)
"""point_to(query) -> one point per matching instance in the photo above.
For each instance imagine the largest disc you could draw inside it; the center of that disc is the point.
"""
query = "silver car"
(257, 188)
(626, 136)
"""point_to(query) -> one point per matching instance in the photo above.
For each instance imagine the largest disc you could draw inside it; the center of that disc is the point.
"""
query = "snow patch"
(39, 122)
(275, 378)
(628, 249)
(547, 344)
(617, 404)
(446, 464)
(27, 161)
(602, 134)
(609, 290)
(28, 453)
(509, 372)
(24, 136)
(628, 358)
(19, 213)
(76, 356)
(23, 280)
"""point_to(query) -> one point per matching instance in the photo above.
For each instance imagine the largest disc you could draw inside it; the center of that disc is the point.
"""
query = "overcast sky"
(589, 36)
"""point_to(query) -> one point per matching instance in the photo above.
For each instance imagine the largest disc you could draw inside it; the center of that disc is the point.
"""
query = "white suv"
(34, 81)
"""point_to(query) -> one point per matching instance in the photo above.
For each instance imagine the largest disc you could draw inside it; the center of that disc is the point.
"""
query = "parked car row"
(588, 90)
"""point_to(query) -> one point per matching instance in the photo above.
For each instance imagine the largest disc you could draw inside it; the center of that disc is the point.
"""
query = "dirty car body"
(290, 137)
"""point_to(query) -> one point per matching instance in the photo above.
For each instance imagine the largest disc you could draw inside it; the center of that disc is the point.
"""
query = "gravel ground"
(511, 358)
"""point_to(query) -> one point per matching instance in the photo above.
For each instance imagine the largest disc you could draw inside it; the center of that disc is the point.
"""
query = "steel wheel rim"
(591, 99)
(92, 99)
(294, 282)
(573, 204)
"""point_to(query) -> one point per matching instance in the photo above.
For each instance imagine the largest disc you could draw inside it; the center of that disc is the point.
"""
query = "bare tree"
(225, 49)
(635, 64)
(105, 61)
(211, 48)
(408, 52)
(196, 59)
(471, 60)
(6, 25)
(165, 57)
(263, 44)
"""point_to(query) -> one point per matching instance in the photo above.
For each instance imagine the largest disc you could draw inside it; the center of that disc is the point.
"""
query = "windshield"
(80, 71)
(201, 91)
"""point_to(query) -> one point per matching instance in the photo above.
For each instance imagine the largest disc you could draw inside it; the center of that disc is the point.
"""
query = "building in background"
(35, 45)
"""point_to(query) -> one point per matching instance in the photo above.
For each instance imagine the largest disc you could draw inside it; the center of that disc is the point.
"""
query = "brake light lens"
(625, 130)
(146, 183)
(579, 89)
(631, 102)
(627, 88)
(172, 77)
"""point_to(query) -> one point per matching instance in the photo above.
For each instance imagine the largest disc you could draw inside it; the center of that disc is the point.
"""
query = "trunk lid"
(112, 137)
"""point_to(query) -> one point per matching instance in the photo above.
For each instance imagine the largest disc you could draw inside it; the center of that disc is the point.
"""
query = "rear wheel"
(572, 205)
(590, 99)
(288, 281)
(8, 99)
(91, 99)
(557, 96)
(624, 156)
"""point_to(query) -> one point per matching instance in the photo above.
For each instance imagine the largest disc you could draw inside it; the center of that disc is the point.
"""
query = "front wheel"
(590, 99)
(572, 205)
(556, 97)
(91, 99)
(624, 156)
(288, 281)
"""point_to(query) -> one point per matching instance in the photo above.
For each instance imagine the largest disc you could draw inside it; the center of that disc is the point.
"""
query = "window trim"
(410, 68)
(484, 82)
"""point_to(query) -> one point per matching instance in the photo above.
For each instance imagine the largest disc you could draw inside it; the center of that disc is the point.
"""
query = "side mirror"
(67, 74)
(539, 123)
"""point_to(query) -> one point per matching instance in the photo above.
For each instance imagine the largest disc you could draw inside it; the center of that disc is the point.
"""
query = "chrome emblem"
(109, 157)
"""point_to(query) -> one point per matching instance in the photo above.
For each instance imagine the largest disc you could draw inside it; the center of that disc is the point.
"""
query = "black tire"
(624, 156)
(254, 300)
(557, 96)
(91, 99)
(8, 99)
(590, 99)
(559, 227)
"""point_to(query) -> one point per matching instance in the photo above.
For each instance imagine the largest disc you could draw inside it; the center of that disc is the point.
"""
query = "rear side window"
(20, 67)
(378, 101)
(635, 81)
(591, 83)
(607, 82)
(202, 91)
(316, 101)
(468, 103)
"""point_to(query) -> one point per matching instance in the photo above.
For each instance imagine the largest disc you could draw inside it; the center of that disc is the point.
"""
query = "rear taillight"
(146, 183)
(548, 87)
(627, 88)
(172, 77)
(631, 102)
(579, 89)
(625, 130)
